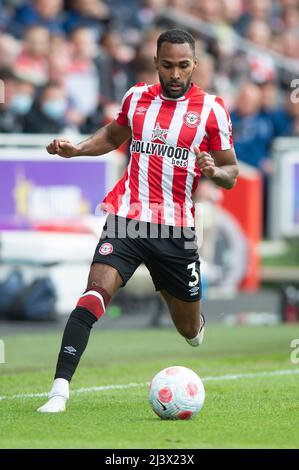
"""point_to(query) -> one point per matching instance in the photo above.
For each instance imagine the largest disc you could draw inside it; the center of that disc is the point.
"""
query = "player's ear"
(156, 62)
(195, 63)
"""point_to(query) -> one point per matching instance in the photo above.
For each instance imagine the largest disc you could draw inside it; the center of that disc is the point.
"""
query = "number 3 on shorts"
(194, 273)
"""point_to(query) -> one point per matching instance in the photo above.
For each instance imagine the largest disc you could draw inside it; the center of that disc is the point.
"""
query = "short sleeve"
(219, 127)
(122, 117)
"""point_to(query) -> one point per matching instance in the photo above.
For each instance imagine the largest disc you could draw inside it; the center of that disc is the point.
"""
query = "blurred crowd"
(67, 64)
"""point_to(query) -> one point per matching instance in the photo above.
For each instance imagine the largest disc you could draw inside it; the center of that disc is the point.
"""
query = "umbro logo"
(70, 350)
(141, 110)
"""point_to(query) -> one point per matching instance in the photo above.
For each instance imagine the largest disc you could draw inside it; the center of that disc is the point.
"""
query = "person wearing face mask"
(22, 100)
(47, 115)
(10, 120)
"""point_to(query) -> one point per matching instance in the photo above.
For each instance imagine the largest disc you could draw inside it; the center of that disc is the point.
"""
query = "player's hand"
(205, 163)
(64, 148)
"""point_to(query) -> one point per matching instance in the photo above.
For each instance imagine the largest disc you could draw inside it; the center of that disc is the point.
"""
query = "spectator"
(59, 58)
(290, 42)
(290, 47)
(95, 120)
(231, 10)
(253, 136)
(122, 57)
(46, 13)
(261, 65)
(209, 11)
(10, 121)
(32, 62)
(253, 132)
(145, 16)
(149, 43)
(48, 113)
(23, 98)
(9, 50)
(82, 75)
(92, 14)
(276, 44)
(286, 119)
(124, 18)
(290, 19)
(203, 75)
(145, 70)
(270, 101)
(255, 10)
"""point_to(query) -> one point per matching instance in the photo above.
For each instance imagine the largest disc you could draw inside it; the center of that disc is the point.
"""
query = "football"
(176, 393)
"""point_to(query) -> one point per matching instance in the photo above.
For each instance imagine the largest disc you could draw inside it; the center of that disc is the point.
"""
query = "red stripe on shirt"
(113, 200)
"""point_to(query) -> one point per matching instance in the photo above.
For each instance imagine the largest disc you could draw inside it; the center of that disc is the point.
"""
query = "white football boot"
(198, 339)
(58, 397)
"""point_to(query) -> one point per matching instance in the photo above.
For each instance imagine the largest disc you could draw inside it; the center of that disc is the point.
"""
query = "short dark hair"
(176, 36)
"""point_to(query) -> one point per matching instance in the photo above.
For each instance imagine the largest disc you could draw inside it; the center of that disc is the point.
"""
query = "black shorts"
(169, 253)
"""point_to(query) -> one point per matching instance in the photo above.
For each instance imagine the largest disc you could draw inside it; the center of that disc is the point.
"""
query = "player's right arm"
(105, 140)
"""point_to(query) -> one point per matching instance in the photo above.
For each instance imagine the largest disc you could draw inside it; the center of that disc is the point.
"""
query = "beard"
(174, 89)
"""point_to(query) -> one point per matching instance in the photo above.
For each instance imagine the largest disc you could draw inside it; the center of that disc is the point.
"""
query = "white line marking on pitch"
(250, 375)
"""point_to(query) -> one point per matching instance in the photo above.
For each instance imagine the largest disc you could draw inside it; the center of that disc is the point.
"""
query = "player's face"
(175, 64)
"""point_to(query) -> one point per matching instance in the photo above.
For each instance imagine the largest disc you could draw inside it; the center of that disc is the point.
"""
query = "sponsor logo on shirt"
(159, 134)
(177, 155)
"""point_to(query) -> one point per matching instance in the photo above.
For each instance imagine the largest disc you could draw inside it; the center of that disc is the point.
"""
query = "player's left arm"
(221, 167)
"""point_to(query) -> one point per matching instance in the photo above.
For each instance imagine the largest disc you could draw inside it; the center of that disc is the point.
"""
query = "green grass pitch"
(260, 411)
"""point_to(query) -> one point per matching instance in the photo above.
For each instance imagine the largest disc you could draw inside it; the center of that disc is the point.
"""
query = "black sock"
(74, 342)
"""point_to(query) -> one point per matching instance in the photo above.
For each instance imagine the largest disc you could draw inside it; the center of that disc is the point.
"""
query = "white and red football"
(176, 393)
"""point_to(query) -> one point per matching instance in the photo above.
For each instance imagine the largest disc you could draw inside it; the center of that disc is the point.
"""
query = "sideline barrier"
(244, 202)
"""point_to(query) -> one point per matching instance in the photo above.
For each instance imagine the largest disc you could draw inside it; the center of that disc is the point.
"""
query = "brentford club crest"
(106, 249)
(191, 119)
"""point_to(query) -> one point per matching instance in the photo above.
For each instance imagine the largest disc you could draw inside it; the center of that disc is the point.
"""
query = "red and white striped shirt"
(162, 173)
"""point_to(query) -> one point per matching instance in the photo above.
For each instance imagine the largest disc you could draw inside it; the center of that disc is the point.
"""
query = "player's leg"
(103, 282)
(114, 262)
(187, 318)
(175, 270)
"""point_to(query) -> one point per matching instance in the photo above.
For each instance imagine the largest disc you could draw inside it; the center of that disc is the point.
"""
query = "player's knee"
(102, 276)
